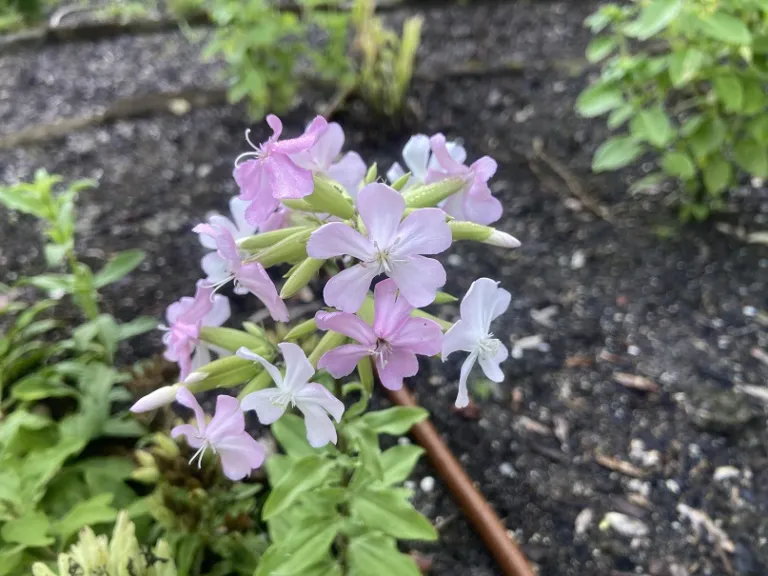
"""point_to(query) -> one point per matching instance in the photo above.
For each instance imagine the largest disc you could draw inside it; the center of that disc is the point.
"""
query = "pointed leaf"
(118, 267)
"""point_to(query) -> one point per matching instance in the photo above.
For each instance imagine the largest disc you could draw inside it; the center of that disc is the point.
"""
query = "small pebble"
(427, 484)
(578, 260)
(506, 469)
(633, 350)
(454, 260)
(624, 525)
(749, 311)
(724, 473)
(583, 521)
(673, 486)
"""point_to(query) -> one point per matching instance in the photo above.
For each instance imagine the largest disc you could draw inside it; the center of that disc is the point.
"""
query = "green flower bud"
(165, 446)
(299, 205)
(145, 459)
(443, 298)
(267, 239)
(229, 339)
(256, 330)
(226, 372)
(432, 194)
(330, 197)
(302, 330)
(328, 342)
(290, 249)
(301, 276)
(372, 174)
(146, 475)
(258, 382)
(400, 183)
(470, 231)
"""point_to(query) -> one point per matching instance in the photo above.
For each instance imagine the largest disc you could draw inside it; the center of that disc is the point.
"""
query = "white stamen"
(488, 347)
(199, 455)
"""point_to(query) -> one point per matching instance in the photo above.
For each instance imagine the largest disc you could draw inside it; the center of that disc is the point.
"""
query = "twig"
(572, 183)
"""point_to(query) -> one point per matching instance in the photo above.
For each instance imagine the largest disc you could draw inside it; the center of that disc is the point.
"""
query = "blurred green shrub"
(685, 80)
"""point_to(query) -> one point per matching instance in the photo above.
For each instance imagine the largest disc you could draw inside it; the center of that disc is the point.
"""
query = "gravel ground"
(622, 441)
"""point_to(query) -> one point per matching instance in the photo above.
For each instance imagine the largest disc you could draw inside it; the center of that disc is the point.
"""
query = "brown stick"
(485, 521)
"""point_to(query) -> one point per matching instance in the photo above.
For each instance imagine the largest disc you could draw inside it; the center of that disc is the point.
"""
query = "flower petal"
(460, 336)
(491, 367)
(420, 336)
(320, 429)
(443, 156)
(347, 289)
(255, 279)
(239, 455)
(391, 309)
(246, 354)
(298, 369)
(196, 308)
(483, 303)
(286, 179)
(400, 364)
(418, 279)
(424, 231)
(416, 155)
(462, 399)
(484, 168)
(303, 142)
(328, 146)
(347, 324)
(225, 243)
(395, 172)
(349, 172)
(381, 209)
(481, 207)
(219, 313)
(237, 208)
(261, 401)
(191, 434)
(318, 395)
(337, 239)
(228, 420)
(252, 180)
(342, 360)
(260, 210)
(200, 357)
(214, 266)
(188, 400)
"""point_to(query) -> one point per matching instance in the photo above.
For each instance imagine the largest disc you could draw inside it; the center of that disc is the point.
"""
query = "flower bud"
(301, 276)
(258, 382)
(302, 330)
(228, 338)
(156, 399)
(267, 239)
(444, 298)
(328, 342)
(290, 249)
(429, 195)
(400, 183)
(228, 371)
(255, 330)
(470, 231)
(165, 446)
(146, 475)
(372, 174)
(330, 197)
(145, 459)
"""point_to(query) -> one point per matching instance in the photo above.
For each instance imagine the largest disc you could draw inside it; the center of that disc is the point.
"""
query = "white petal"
(416, 155)
(491, 367)
(483, 303)
(220, 312)
(320, 429)
(298, 369)
(459, 337)
(246, 354)
(261, 401)
(237, 208)
(395, 173)
(462, 400)
(215, 267)
(381, 209)
(200, 357)
(319, 395)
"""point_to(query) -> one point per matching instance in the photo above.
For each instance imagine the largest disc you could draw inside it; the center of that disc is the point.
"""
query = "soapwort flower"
(419, 159)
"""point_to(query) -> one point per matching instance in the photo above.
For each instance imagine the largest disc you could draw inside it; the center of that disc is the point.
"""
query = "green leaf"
(685, 65)
(600, 48)
(708, 137)
(118, 267)
(127, 427)
(616, 153)
(97, 510)
(309, 551)
(367, 443)
(752, 157)
(654, 18)
(729, 91)
(725, 28)
(376, 554)
(365, 371)
(652, 125)
(598, 99)
(690, 125)
(136, 327)
(755, 99)
(38, 387)
(758, 128)
(291, 433)
(678, 164)
(648, 183)
(395, 421)
(398, 463)
(620, 115)
(717, 174)
(307, 473)
(388, 512)
(29, 530)
(11, 560)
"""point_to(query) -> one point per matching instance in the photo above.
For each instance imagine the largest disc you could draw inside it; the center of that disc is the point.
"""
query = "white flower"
(212, 263)
(483, 303)
(313, 400)
(419, 159)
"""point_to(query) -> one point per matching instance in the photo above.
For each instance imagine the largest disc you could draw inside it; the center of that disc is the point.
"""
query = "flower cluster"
(302, 202)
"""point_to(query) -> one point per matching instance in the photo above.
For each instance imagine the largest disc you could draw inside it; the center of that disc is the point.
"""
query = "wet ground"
(622, 441)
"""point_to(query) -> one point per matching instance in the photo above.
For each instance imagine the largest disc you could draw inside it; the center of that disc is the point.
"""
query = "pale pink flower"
(280, 218)
(482, 304)
(268, 175)
(225, 434)
(295, 389)
(419, 159)
(475, 202)
(185, 318)
(349, 170)
(392, 247)
(248, 276)
(393, 341)
(237, 226)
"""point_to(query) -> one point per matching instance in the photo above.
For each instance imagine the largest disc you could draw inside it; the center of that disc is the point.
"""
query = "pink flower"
(419, 160)
(313, 400)
(225, 434)
(392, 247)
(269, 175)
(249, 277)
(349, 170)
(394, 340)
(277, 220)
(483, 303)
(185, 318)
(475, 202)
(238, 227)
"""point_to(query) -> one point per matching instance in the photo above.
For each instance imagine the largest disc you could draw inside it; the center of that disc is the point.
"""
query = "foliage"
(268, 50)
(16, 13)
(206, 519)
(97, 555)
(58, 388)
(685, 80)
(386, 61)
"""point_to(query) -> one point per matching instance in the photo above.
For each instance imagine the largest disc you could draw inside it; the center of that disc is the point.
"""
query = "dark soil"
(638, 295)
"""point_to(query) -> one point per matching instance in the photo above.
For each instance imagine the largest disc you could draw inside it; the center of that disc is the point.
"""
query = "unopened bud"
(432, 194)
(258, 382)
(301, 276)
(228, 338)
(302, 330)
(266, 239)
(461, 230)
(372, 174)
(145, 459)
(154, 400)
(444, 298)
(228, 371)
(329, 196)
(328, 342)
(165, 446)
(502, 239)
(290, 249)
(146, 475)
(400, 183)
